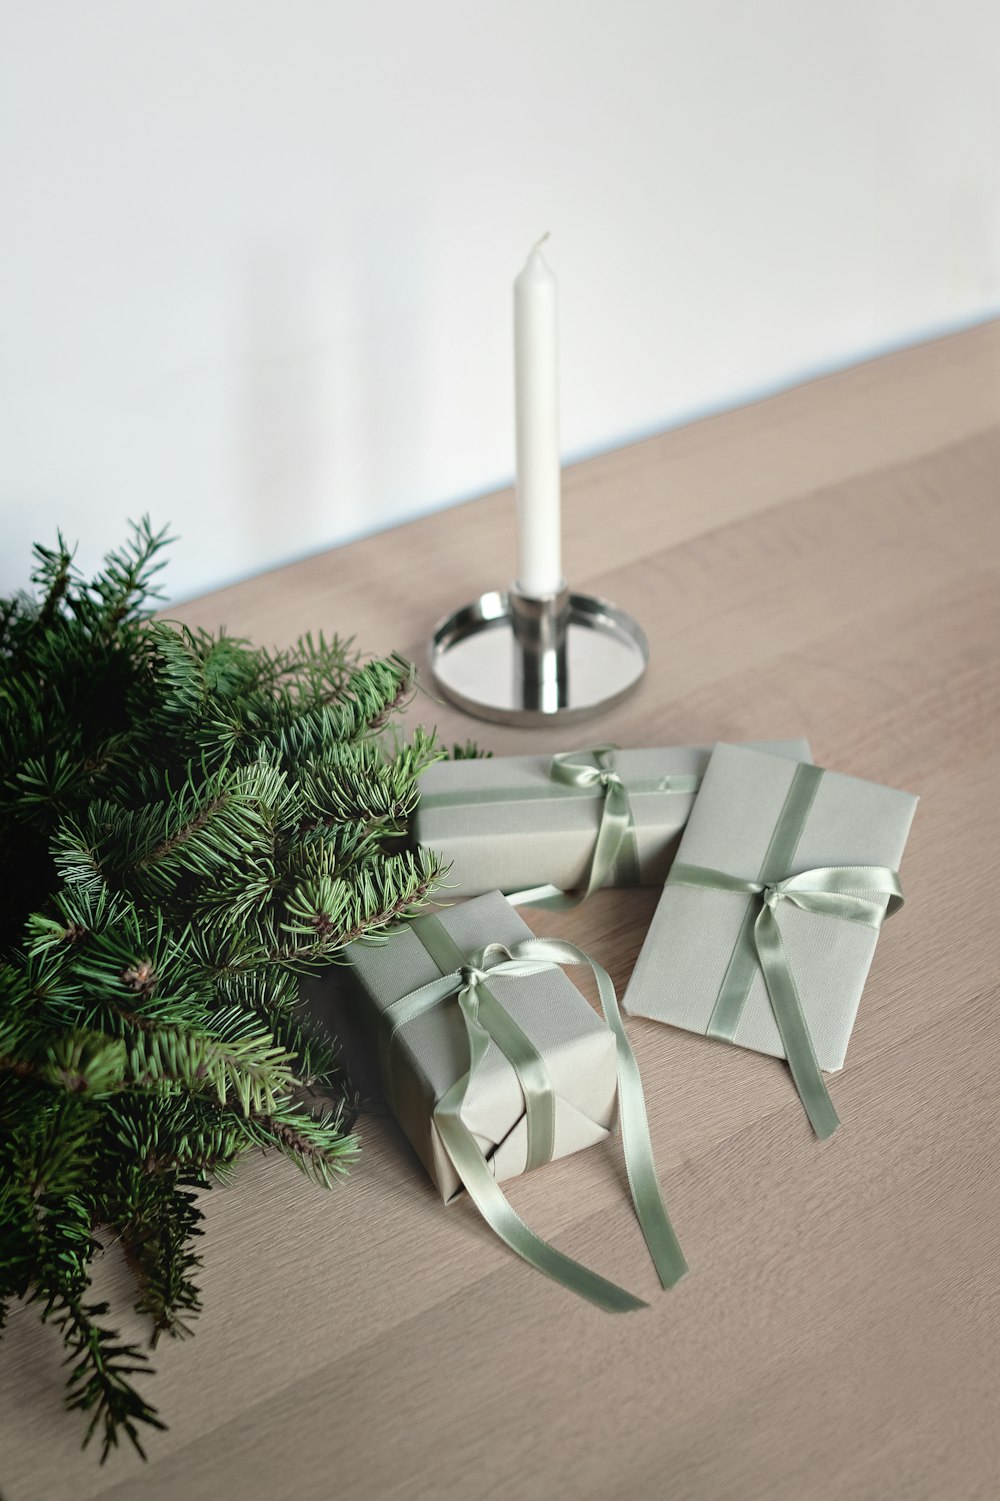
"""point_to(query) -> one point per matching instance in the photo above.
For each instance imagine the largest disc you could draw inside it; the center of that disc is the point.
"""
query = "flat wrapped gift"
(519, 821)
(776, 897)
(494, 1062)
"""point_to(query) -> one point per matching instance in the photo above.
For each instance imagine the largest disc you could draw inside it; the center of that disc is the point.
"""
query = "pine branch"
(190, 823)
(316, 670)
(317, 1144)
(336, 912)
(101, 1366)
(237, 1060)
(53, 573)
(187, 1137)
(160, 1219)
(53, 1154)
(99, 1380)
(126, 584)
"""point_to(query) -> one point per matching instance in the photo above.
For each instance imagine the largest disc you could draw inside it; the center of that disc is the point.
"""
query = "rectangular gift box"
(431, 1052)
(691, 940)
(502, 822)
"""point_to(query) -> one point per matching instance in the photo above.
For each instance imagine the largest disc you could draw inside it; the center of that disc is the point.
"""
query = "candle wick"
(539, 243)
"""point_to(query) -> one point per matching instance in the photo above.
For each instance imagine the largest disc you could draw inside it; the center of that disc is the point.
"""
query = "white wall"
(257, 254)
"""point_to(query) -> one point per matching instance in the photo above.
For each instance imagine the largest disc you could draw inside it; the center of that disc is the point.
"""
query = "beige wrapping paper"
(687, 949)
(431, 1052)
(515, 844)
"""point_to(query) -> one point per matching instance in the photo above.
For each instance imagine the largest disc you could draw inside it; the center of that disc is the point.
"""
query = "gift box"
(768, 922)
(516, 822)
(432, 1050)
(494, 1062)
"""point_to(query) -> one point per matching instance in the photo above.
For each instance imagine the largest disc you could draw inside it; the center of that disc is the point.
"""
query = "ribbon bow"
(616, 832)
(485, 1021)
(865, 894)
(580, 774)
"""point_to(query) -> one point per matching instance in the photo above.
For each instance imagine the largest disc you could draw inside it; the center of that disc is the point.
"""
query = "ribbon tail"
(612, 842)
(792, 1027)
(654, 1222)
(625, 869)
(489, 1198)
(551, 897)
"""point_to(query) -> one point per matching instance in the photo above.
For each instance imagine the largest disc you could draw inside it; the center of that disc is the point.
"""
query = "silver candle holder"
(515, 659)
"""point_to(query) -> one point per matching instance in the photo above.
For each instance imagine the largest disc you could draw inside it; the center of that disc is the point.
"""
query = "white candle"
(536, 385)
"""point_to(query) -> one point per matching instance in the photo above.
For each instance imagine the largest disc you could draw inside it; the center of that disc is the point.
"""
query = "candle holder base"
(532, 662)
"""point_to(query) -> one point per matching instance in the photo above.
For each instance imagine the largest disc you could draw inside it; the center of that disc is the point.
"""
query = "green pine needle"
(188, 823)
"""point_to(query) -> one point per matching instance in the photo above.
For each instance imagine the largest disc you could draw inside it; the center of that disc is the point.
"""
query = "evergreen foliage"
(187, 823)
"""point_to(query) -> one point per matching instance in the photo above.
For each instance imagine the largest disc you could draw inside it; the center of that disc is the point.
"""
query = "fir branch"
(206, 824)
(85, 1062)
(53, 572)
(178, 668)
(316, 1055)
(271, 992)
(238, 1060)
(101, 1366)
(191, 824)
(53, 1154)
(317, 1144)
(337, 912)
(316, 670)
(160, 1220)
(187, 1136)
(77, 858)
(468, 750)
(99, 1380)
(125, 586)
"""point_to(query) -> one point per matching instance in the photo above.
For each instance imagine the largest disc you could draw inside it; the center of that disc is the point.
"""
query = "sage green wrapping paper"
(431, 1052)
(535, 838)
(690, 941)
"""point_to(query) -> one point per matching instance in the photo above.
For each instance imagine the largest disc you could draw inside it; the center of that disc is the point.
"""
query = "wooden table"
(824, 562)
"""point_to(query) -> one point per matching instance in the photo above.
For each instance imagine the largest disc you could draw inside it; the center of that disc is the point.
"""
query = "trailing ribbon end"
(491, 1201)
(661, 1241)
(486, 1021)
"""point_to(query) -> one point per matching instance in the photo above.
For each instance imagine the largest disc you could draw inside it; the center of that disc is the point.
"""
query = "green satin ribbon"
(520, 1052)
(777, 860)
(486, 1020)
(615, 845)
(853, 893)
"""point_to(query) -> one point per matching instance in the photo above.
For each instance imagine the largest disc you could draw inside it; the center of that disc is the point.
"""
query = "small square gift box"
(494, 1063)
(769, 918)
(542, 826)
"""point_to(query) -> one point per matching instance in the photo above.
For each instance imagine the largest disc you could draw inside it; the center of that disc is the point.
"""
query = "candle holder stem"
(528, 661)
(540, 627)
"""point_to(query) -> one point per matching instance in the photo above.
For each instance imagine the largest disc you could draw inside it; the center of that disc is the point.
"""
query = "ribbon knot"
(772, 895)
(615, 859)
(470, 977)
(615, 834)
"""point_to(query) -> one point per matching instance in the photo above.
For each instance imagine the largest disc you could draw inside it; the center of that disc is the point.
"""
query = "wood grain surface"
(822, 563)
